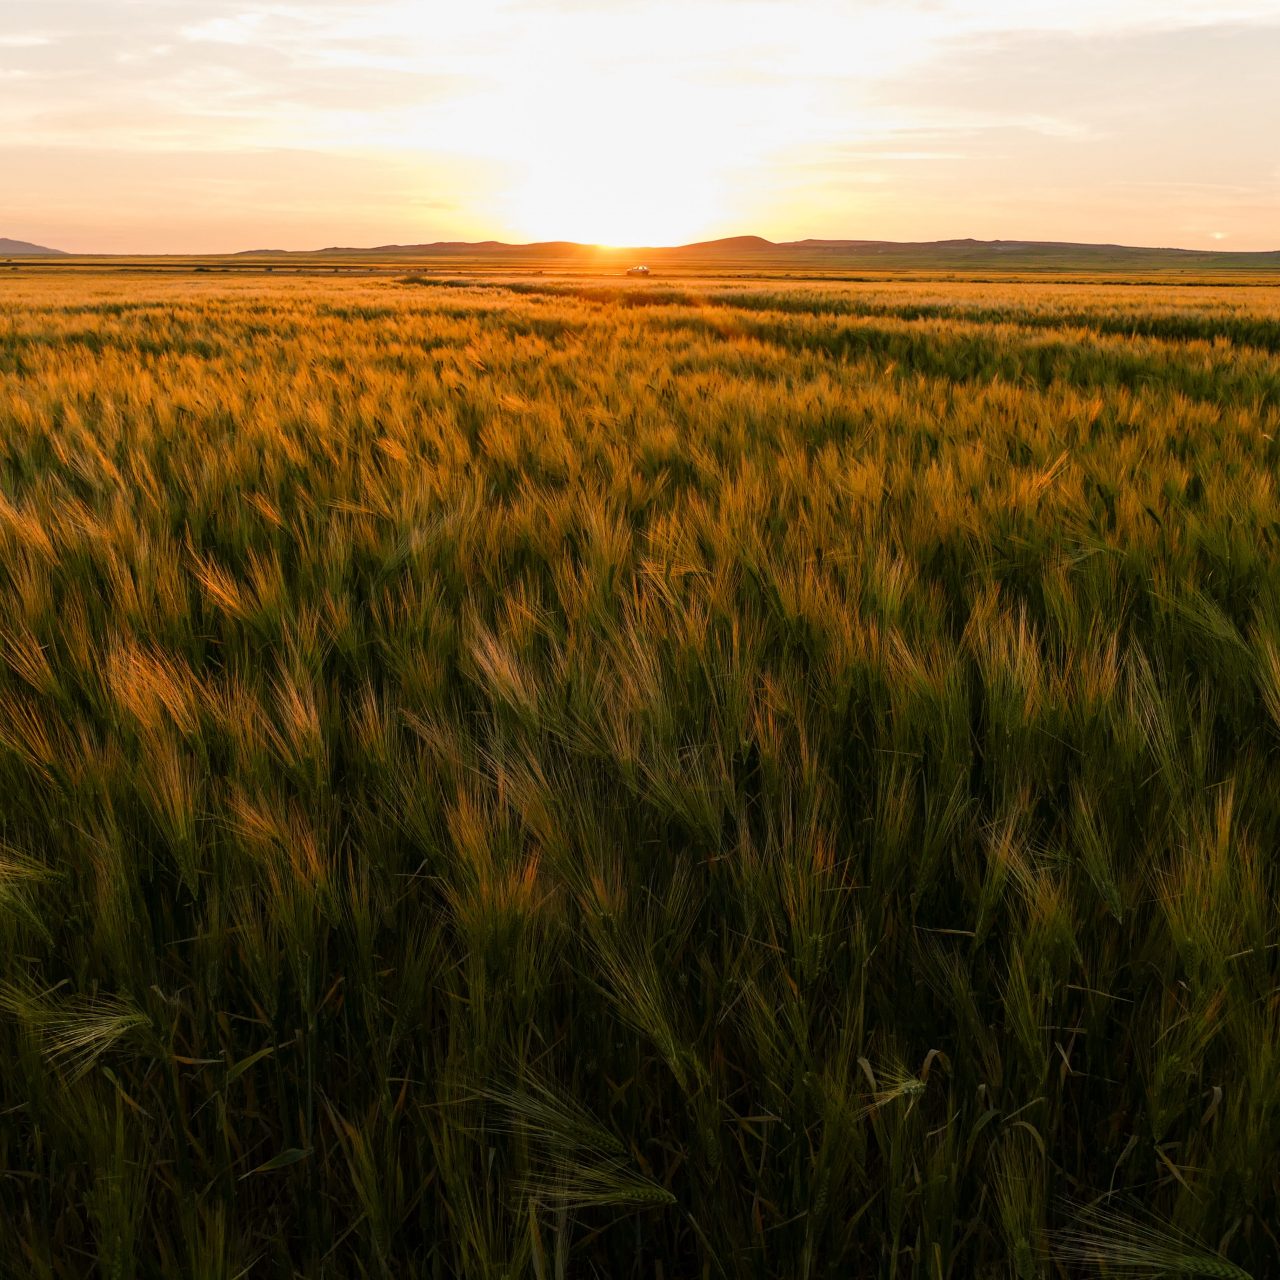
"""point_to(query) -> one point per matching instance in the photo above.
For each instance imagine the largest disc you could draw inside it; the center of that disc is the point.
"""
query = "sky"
(173, 126)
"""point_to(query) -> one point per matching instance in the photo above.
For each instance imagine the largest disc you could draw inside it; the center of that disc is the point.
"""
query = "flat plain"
(546, 775)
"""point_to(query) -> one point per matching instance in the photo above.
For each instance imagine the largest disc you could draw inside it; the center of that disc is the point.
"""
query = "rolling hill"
(746, 255)
(23, 249)
(827, 255)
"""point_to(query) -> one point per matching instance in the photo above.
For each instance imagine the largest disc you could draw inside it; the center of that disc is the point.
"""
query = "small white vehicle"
(638, 271)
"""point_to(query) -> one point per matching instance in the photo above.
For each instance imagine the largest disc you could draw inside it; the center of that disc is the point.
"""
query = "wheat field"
(694, 779)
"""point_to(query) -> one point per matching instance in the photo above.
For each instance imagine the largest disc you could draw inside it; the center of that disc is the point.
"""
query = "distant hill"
(733, 244)
(479, 248)
(1049, 253)
(827, 255)
(21, 249)
(752, 254)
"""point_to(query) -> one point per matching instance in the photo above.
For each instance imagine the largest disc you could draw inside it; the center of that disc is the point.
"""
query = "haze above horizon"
(153, 126)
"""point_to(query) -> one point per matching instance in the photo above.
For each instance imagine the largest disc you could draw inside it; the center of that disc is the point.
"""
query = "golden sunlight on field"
(555, 777)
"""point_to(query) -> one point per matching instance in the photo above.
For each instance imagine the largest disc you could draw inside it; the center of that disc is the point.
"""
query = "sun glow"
(637, 199)
(616, 161)
(598, 134)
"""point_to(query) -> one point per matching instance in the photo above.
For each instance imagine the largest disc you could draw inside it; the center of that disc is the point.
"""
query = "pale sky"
(184, 126)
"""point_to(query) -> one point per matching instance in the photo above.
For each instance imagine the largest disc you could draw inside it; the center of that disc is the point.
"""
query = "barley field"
(686, 780)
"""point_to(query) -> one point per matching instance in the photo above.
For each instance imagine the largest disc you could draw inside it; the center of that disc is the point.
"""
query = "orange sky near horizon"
(152, 126)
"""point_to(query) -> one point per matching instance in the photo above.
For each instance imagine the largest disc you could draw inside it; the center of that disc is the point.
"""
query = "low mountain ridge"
(24, 249)
(749, 252)
(964, 253)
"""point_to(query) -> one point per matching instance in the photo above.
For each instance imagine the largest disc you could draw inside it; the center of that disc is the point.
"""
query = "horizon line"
(761, 242)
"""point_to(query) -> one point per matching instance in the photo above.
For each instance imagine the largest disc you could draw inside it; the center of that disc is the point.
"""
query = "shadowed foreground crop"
(778, 781)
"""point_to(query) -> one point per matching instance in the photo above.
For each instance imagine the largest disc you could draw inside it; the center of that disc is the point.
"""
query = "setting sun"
(616, 186)
(591, 138)
(615, 203)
